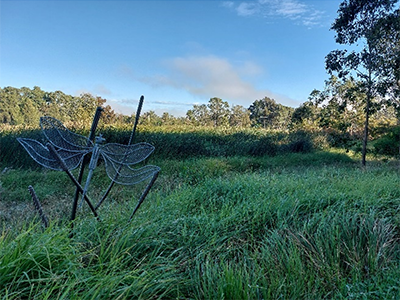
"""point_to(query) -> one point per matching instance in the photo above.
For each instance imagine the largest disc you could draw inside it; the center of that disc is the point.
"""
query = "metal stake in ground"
(38, 207)
(131, 138)
(144, 194)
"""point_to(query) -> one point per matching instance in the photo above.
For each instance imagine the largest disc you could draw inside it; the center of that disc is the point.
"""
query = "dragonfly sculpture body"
(65, 151)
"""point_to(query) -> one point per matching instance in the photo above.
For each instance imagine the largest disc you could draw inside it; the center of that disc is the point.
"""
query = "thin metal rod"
(138, 111)
(131, 139)
(144, 194)
(78, 185)
(92, 135)
(38, 207)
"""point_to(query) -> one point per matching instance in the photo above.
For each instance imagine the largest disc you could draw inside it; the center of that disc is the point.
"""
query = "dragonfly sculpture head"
(99, 139)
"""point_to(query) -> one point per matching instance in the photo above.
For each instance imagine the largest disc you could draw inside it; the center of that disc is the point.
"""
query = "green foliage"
(388, 144)
(374, 25)
(269, 114)
(176, 142)
(298, 226)
(11, 153)
(25, 106)
(218, 113)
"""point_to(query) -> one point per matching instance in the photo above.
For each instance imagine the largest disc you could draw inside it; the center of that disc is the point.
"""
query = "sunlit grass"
(299, 226)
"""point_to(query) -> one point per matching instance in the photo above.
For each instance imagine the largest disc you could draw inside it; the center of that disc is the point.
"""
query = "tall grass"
(299, 226)
(176, 142)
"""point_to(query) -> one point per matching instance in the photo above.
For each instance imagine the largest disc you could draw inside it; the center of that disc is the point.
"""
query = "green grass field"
(296, 226)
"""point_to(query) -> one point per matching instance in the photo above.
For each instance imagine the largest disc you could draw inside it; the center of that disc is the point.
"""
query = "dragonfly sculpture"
(66, 150)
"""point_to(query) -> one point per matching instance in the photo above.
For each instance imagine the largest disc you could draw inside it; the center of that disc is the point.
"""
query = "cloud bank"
(212, 76)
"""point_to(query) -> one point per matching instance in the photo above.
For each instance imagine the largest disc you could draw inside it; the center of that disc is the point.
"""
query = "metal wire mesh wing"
(128, 175)
(126, 154)
(60, 137)
(42, 155)
(119, 158)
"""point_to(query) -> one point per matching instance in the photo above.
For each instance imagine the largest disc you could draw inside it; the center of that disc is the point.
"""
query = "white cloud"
(247, 9)
(211, 76)
(289, 9)
(250, 69)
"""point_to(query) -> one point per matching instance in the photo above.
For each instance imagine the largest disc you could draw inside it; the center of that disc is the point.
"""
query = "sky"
(175, 53)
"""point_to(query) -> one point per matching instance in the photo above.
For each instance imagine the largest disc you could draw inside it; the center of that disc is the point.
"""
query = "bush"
(177, 142)
(297, 142)
(388, 144)
(342, 140)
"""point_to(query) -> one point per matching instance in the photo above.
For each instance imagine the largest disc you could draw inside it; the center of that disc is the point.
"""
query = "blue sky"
(175, 53)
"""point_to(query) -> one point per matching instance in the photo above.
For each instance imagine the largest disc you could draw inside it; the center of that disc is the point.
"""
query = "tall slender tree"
(359, 25)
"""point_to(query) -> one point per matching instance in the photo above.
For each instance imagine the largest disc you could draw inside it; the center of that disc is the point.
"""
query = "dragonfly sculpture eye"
(71, 148)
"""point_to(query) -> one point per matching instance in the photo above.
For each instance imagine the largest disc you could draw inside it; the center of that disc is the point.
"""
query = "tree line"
(24, 106)
(339, 107)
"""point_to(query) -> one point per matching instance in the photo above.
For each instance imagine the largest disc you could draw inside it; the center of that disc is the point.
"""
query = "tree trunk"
(366, 125)
(398, 123)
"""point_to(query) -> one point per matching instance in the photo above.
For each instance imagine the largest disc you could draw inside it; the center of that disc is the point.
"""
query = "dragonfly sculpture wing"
(42, 155)
(126, 154)
(70, 146)
(119, 158)
(126, 175)
(62, 138)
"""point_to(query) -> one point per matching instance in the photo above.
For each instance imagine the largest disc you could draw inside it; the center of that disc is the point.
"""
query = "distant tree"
(340, 105)
(150, 118)
(168, 119)
(26, 106)
(269, 114)
(17, 106)
(239, 116)
(218, 111)
(283, 122)
(264, 112)
(108, 116)
(9, 108)
(389, 47)
(306, 115)
(199, 115)
(360, 23)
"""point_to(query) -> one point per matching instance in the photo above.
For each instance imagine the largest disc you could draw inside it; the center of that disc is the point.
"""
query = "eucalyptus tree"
(388, 45)
(218, 111)
(19, 106)
(215, 113)
(359, 25)
(150, 118)
(340, 105)
(198, 115)
(264, 112)
(306, 116)
(239, 116)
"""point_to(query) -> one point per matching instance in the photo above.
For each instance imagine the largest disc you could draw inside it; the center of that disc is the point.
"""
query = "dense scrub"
(298, 226)
(178, 142)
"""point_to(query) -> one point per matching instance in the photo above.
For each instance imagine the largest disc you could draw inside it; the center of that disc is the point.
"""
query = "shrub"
(177, 142)
(388, 144)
